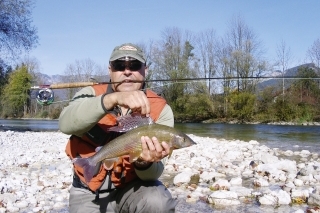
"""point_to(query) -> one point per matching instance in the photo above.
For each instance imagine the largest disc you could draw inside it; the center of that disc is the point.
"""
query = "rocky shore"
(212, 176)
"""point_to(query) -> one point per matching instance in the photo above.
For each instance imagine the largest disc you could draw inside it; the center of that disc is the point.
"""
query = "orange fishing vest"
(123, 171)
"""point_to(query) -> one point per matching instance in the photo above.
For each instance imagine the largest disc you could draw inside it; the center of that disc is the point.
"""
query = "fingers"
(166, 148)
(137, 101)
(152, 150)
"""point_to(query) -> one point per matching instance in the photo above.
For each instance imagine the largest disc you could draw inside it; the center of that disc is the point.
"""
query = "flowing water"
(293, 137)
(28, 125)
(285, 137)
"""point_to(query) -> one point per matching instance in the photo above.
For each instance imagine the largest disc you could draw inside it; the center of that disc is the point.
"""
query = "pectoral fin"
(109, 163)
(133, 156)
(98, 148)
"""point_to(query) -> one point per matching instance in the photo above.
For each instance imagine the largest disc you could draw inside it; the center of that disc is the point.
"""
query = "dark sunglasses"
(119, 65)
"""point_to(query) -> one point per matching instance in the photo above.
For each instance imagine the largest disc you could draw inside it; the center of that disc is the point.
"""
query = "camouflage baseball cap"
(127, 50)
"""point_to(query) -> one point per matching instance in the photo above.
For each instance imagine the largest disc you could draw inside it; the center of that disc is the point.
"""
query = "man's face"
(126, 72)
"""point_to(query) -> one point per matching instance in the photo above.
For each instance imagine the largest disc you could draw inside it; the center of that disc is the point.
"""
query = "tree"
(16, 96)
(207, 46)
(4, 75)
(244, 56)
(307, 85)
(4, 78)
(314, 53)
(284, 56)
(265, 99)
(16, 30)
(172, 59)
(32, 65)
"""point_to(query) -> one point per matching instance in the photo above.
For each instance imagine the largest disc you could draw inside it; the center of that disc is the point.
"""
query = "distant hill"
(292, 72)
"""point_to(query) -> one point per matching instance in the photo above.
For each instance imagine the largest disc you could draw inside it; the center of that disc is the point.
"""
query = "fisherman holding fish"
(116, 171)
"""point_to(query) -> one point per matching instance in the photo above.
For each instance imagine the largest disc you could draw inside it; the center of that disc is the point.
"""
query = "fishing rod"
(45, 94)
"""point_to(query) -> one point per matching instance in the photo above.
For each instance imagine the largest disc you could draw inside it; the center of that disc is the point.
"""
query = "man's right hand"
(137, 101)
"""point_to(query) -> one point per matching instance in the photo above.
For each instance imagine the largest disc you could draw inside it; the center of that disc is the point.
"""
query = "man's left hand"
(153, 150)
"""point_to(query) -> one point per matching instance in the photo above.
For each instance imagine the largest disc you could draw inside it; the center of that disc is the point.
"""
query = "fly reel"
(45, 96)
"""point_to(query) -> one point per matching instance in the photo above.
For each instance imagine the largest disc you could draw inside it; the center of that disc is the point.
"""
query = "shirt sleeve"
(166, 116)
(82, 113)
(152, 173)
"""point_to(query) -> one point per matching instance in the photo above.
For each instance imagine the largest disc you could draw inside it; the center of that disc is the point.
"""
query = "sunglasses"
(119, 65)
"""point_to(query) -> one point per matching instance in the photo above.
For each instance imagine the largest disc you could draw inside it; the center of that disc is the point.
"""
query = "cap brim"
(127, 55)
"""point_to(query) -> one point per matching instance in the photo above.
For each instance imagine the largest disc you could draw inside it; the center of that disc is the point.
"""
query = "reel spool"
(45, 97)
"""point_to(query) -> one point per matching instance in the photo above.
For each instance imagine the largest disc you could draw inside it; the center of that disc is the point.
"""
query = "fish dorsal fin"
(129, 122)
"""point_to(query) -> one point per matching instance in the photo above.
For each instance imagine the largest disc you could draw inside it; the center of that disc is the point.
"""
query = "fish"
(130, 143)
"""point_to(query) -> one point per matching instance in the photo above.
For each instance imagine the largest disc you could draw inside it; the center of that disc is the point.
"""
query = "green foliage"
(305, 112)
(194, 107)
(265, 99)
(16, 94)
(220, 104)
(264, 109)
(284, 110)
(241, 105)
(307, 84)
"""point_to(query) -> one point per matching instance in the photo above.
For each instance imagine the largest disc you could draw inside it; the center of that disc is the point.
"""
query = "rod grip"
(71, 85)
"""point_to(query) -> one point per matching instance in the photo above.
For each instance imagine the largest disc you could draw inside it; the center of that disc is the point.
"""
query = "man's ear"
(109, 68)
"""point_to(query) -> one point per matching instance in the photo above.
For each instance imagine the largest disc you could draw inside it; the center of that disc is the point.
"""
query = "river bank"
(209, 121)
(290, 123)
(216, 175)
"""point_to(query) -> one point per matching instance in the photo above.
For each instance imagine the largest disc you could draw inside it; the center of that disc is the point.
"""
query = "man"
(127, 187)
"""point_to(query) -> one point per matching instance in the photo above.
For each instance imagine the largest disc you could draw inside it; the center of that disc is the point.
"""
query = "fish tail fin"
(89, 168)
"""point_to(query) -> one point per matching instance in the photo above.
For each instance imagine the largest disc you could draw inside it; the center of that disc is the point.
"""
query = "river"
(293, 137)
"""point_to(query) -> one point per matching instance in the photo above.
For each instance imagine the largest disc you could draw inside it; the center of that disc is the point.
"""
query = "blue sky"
(71, 30)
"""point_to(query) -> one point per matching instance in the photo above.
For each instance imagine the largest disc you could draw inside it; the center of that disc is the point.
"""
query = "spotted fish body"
(130, 144)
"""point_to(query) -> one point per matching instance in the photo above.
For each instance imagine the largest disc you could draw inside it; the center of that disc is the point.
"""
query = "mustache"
(118, 83)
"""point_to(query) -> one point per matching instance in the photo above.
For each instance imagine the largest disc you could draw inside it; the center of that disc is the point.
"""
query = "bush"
(305, 112)
(196, 107)
(284, 111)
(241, 105)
